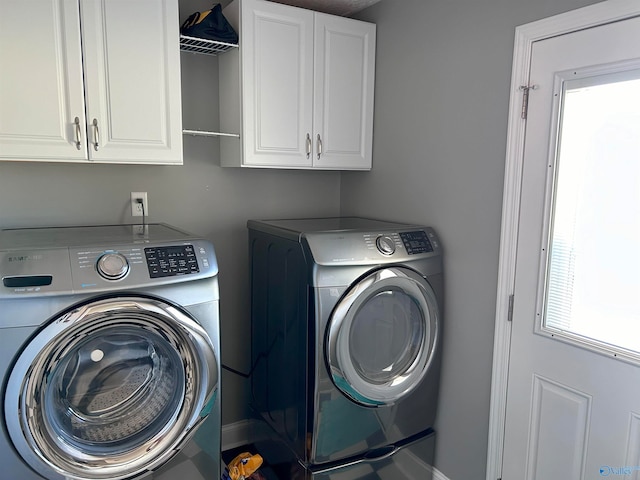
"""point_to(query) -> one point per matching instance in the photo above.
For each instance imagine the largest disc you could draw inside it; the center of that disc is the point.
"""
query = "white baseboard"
(236, 434)
(438, 475)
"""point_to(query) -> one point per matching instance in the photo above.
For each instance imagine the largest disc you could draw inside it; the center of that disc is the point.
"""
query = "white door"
(573, 402)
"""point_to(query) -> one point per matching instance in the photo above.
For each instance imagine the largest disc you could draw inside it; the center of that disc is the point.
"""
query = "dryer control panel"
(362, 248)
(416, 242)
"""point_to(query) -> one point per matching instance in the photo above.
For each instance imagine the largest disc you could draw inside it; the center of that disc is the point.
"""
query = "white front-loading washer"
(109, 354)
(346, 342)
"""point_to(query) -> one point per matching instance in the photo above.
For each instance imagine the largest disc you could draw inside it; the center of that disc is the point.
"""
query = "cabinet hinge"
(510, 312)
(525, 99)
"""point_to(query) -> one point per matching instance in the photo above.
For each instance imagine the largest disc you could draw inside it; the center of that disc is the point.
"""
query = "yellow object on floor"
(243, 465)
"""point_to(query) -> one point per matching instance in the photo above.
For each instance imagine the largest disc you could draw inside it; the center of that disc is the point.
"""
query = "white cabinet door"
(306, 96)
(41, 90)
(343, 92)
(118, 87)
(132, 80)
(277, 84)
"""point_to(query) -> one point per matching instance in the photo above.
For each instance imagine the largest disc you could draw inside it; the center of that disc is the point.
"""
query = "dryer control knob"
(386, 245)
(113, 266)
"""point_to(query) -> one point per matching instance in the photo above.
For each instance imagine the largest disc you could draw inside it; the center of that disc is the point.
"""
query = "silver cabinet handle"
(319, 146)
(96, 135)
(308, 145)
(76, 121)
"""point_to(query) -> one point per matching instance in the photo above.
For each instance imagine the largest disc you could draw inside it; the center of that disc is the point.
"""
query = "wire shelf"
(202, 133)
(204, 46)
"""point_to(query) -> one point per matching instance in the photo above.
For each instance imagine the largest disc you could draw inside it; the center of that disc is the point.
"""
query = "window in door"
(593, 270)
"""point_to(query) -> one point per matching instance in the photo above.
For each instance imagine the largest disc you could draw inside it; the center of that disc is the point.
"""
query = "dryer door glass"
(386, 335)
(111, 388)
(382, 336)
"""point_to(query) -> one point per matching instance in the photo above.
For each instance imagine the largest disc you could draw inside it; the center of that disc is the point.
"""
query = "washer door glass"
(114, 389)
(110, 389)
(382, 336)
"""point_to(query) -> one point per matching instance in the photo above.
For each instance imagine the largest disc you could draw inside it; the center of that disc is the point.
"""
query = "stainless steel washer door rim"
(110, 389)
(382, 336)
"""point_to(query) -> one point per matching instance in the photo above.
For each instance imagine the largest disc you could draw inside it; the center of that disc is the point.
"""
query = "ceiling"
(335, 7)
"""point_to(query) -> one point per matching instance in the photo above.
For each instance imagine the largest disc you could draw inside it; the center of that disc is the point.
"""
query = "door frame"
(525, 36)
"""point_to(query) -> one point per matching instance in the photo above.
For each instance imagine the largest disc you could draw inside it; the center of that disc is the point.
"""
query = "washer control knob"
(113, 266)
(386, 245)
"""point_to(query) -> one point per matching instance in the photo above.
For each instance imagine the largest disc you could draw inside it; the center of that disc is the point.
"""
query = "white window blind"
(593, 271)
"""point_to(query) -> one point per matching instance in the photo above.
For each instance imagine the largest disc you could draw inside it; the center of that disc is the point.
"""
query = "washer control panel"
(128, 266)
(171, 261)
(101, 258)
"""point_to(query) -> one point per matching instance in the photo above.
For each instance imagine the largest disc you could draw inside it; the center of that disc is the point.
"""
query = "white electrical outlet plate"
(136, 208)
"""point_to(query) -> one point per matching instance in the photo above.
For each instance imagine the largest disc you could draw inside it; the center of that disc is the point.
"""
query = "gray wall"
(443, 73)
(198, 196)
(442, 93)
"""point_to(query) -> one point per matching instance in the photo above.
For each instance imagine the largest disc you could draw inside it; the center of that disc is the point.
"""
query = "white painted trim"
(408, 468)
(525, 35)
(237, 434)
(438, 475)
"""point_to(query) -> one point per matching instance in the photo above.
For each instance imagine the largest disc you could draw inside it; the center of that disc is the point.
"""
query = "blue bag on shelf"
(211, 25)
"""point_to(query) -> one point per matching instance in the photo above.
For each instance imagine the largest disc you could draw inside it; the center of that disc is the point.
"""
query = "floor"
(267, 471)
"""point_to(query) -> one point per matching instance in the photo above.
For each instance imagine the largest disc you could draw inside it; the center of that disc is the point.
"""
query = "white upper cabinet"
(344, 56)
(299, 90)
(90, 80)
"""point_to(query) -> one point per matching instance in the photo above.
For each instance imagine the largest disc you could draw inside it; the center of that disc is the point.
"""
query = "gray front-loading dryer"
(109, 354)
(346, 336)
